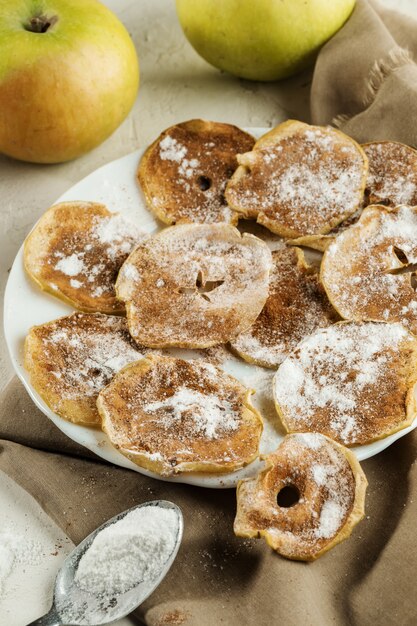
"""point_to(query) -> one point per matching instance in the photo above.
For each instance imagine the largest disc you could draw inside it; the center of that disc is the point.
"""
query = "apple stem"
(40, 23)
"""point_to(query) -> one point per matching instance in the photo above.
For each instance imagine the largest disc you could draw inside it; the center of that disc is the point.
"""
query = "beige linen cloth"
(363, 74)
(365, 79)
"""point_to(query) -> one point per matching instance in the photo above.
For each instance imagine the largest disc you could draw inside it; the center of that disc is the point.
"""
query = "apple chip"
(369, 271)
(183, 174)
(75, 252)
(194, 285)
(300, 180)
(172, 416)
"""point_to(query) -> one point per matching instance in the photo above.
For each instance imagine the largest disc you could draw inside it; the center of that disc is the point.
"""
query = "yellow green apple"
(261, 39)
(69, 75)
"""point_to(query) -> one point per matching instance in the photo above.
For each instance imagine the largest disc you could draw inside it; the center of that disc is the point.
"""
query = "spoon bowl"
(74, 606)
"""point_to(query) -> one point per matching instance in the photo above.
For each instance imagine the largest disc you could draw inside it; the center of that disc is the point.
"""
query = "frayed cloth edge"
(381, 69)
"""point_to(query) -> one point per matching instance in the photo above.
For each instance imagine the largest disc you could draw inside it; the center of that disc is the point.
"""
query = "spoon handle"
(50, 619)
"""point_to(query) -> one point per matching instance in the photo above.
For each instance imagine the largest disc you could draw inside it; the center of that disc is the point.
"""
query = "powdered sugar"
(103, 351)
(200, 283)
(401, 189)
(333, 485)
(320, 189)
(320, 473)
(331, 517)
(296, 307)
(400, 226)
(361, 268)
(188, 413)
(129, 272)
(75, 357)
(313, 441)
(83, 260)
(133, 549)
(70, 265)
(171, 150)
(117, 234)
(325, 384)
(252, 346)
(392, 177)
(128, 556)
(210, 414)
(316, 186)
(188, 167)
(185, 172)
(15, 549)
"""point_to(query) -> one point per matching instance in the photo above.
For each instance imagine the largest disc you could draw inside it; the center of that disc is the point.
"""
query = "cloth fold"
(218, 578)
(365, 78)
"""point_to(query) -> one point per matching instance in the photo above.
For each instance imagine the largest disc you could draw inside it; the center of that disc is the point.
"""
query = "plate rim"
(219, 481)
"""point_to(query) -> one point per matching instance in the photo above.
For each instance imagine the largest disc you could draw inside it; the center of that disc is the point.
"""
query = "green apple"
(69, 75)
(261, 39)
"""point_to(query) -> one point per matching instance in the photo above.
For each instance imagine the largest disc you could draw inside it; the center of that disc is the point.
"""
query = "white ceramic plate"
(25, 305)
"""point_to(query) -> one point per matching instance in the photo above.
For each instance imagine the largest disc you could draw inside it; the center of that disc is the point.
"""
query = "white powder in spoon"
(131, 550)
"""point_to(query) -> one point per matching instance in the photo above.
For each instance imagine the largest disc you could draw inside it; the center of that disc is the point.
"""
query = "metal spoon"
(87, 609)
